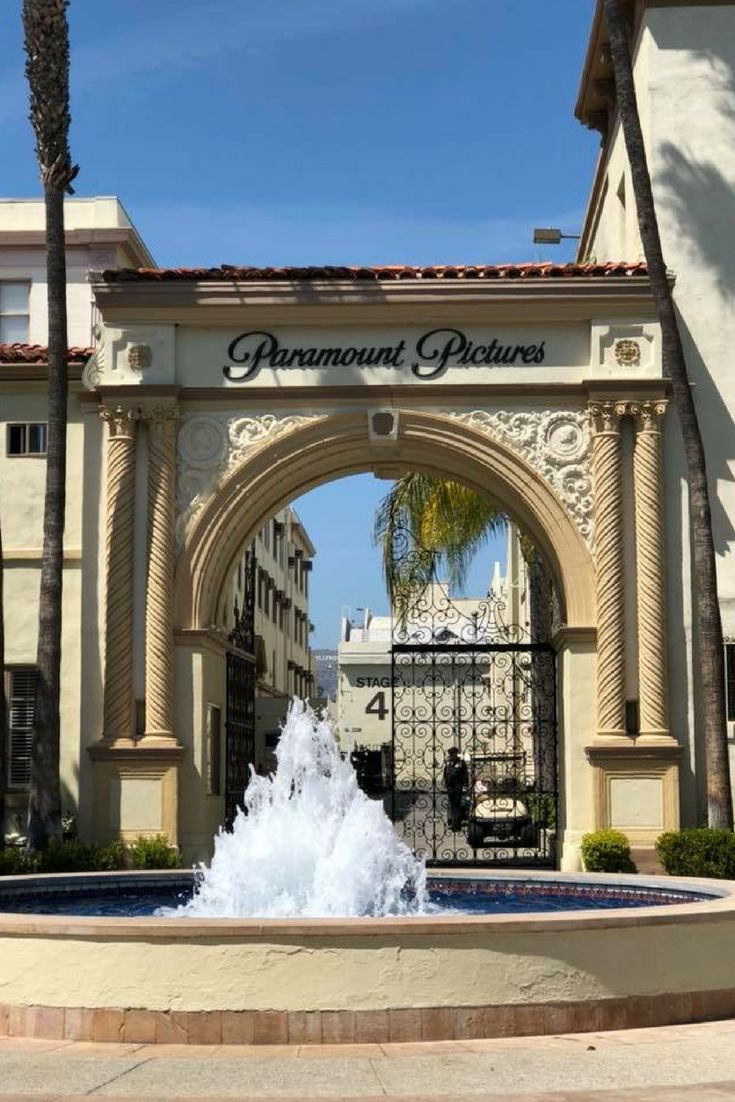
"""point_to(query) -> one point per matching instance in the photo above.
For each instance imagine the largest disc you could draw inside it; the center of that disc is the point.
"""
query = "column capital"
(648, 414)
(605, 416)
(121, 420)
(162, 417)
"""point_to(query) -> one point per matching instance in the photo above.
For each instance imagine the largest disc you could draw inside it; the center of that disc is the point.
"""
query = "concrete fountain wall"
(343, 980)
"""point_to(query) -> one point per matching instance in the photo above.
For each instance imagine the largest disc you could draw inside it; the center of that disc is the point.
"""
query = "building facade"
(365, 658)
(272, 576)
(684, 57)
(211, 397)
(101, 235)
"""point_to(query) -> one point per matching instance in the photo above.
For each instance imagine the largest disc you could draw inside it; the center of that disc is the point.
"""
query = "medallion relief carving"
(211, 445)
(556, 443)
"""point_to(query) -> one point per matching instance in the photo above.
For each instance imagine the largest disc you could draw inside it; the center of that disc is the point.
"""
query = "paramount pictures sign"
(428, 356)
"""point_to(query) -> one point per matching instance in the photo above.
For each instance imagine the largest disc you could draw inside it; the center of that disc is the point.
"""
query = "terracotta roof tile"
(229, 272)
(37, 354)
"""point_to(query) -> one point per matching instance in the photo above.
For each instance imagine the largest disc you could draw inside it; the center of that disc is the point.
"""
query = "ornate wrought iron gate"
(240, 700)
(463, 677)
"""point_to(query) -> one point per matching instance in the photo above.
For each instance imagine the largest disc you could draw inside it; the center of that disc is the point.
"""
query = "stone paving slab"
(699, 1092)
(674, 1064)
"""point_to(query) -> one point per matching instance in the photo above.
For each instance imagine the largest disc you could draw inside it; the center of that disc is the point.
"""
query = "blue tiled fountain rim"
(69, 886)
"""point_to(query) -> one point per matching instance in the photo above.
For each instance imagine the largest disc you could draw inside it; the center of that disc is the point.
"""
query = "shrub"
(13, 861)
(154, 853)
(607, 851)
(698, 851)
(76, 856)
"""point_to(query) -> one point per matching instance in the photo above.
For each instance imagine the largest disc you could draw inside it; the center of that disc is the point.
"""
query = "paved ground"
(675, 1064)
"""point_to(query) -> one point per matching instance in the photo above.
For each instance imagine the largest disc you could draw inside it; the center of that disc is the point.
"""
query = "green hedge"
(153, 853)
(607, 851)
(698, 851)
(75, 856)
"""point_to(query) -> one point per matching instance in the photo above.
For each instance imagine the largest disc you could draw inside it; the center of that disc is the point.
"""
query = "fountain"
(314, 922)
(308, 842)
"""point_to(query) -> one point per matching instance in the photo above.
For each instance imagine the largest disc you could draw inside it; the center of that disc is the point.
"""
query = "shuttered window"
(730, 680)
(21, 692)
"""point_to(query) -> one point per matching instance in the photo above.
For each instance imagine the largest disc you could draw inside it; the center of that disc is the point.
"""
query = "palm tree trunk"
(46, 35)
(709, 655)
(3, 700)
(44, 797)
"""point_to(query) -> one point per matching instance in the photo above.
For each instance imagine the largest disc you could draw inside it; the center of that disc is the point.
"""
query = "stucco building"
(101, 235)
(212, 397)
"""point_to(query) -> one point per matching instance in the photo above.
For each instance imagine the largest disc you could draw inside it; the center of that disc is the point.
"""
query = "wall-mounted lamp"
(552, 236)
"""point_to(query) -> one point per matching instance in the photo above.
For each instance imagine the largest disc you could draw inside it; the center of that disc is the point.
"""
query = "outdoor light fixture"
(552, 236)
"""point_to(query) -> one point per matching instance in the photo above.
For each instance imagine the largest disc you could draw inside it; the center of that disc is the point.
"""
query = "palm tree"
(47, 69)
(423, 521)
(3, 699)
(709, 655)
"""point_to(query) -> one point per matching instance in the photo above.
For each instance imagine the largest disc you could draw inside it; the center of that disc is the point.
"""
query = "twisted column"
(648, 480)
(606, 467)
(159, 636)
(119, 523)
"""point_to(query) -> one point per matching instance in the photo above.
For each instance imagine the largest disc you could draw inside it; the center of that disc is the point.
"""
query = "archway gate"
(227, 393)
(477, 683)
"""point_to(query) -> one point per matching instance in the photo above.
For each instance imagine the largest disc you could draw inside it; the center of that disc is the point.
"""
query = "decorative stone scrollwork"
(94, 367)
(556, 443)
(627, 352)
(211, 445)
(140, 356)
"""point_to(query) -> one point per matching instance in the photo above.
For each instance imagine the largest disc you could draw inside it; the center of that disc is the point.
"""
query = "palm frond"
(47, 68)
(424, 521)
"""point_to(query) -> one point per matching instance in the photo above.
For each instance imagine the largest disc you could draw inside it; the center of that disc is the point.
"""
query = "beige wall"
(22, 487)
(685, 66)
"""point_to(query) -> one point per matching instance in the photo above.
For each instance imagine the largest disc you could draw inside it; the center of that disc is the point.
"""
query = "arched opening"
(326, 448)
(335, 446)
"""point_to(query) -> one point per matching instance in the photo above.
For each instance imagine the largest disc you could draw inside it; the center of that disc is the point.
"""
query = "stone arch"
(338, 445)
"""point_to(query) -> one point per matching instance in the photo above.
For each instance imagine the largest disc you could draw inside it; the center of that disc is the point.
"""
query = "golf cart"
(498, 813)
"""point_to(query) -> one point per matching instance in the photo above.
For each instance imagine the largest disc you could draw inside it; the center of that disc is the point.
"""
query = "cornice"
(330, 303)
(35, 373)
(78, 238)
(596, 94)
(360, 394)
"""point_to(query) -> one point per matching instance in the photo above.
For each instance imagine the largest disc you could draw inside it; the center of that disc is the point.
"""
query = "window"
(213, 764)
(14, 312)
(21, 693)
(139, 718)
(27, 439)
(730, 680)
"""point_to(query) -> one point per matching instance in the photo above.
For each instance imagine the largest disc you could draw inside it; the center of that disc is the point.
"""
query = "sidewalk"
(674, 1064)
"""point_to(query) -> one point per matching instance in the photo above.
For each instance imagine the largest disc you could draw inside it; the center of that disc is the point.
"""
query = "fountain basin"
(428, 977)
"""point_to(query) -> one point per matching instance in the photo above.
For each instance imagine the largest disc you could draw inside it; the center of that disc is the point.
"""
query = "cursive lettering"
(435, 351)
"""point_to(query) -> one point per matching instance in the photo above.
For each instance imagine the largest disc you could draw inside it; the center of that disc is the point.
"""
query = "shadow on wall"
(692, 192)
(719, 435)
(696, 202)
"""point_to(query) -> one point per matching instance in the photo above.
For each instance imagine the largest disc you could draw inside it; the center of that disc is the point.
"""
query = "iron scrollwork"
(465, 675)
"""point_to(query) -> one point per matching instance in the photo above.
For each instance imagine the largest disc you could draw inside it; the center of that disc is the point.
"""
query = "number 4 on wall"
(377, 707)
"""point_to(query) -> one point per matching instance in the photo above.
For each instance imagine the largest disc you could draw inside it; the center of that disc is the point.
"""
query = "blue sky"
(324, 131)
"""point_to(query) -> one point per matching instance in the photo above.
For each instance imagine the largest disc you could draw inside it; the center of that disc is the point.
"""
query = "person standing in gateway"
(456, 779)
